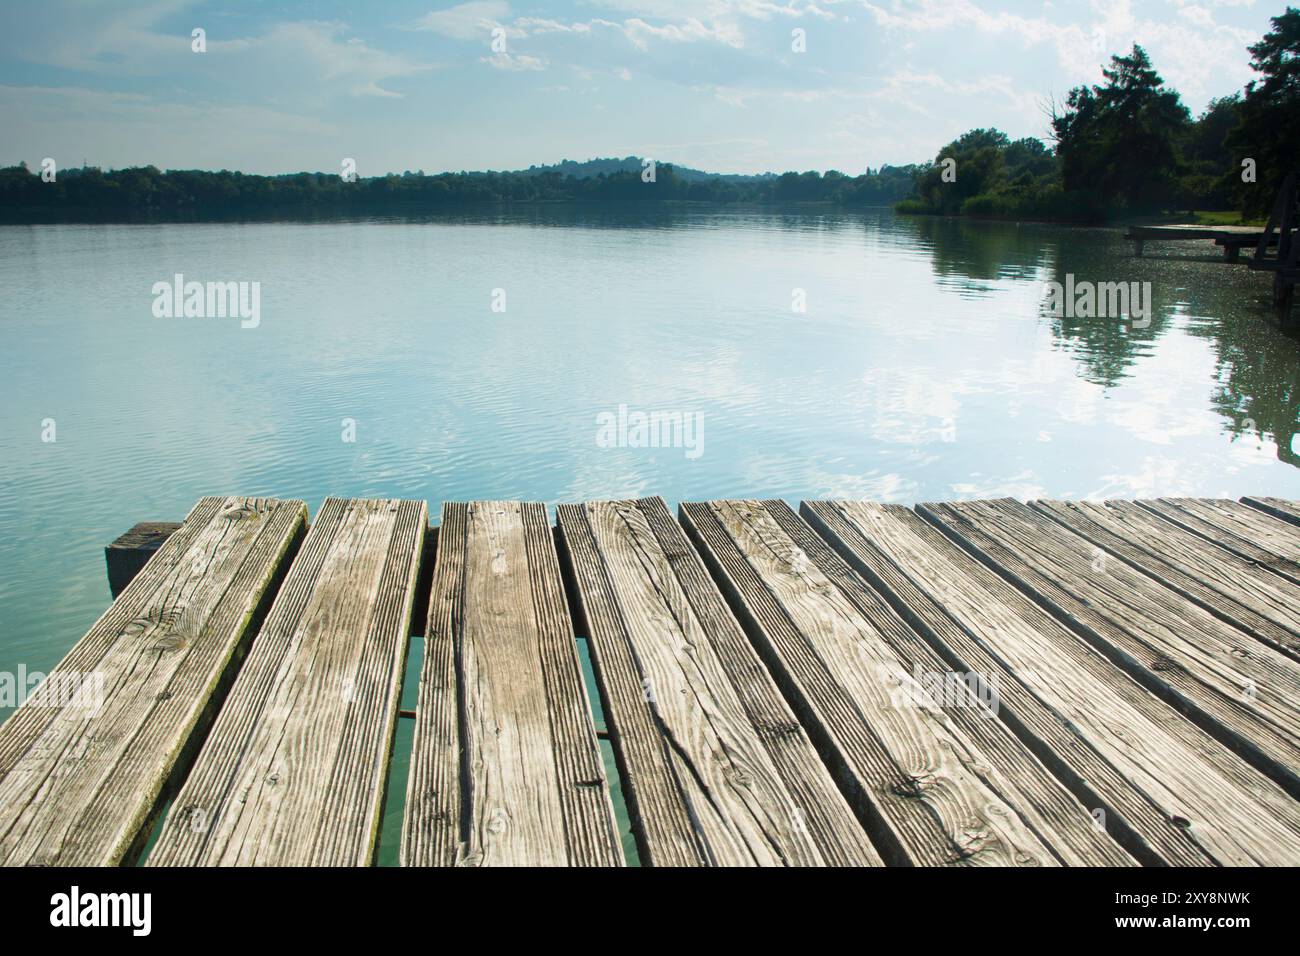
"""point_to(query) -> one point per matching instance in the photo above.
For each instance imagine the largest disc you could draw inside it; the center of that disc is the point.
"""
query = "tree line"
(147, 191)
(1129, 147)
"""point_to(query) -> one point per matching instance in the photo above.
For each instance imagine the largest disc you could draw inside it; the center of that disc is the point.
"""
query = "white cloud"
(904, 82)
(330, 56)
(1188, 50)
(715, 9)
(107, 39)
(640, 32)
(315, 57)
(466, 21)
(536, 26)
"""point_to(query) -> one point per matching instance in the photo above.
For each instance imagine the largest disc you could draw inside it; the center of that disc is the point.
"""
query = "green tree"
(1205, 183)
(1207, 142)
(980, 168)
(1120, 141)
(1269, 132)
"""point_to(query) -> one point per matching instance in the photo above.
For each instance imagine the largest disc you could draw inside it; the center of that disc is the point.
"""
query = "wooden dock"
(1231, 239)
(983, 683)
(1279, 246)
(1276, 245)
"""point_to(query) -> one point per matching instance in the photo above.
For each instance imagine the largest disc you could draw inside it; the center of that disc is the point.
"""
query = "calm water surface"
(926, 366)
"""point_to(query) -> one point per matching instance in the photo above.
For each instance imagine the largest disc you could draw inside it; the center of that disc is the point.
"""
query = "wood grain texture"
(293, 772)
(1117, 746)
(1288, 511)
(80, 784)
(1229, 587)
(532, 788)
(1265, 536)
(940, 784)
(1243, 693)
(717, 769)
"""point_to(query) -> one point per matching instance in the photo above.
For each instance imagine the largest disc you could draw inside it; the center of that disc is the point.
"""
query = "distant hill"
(632, 164)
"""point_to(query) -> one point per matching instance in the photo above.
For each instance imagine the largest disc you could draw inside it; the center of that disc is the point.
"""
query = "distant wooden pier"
(1232, 239)
(843, 684)
(1276, 245)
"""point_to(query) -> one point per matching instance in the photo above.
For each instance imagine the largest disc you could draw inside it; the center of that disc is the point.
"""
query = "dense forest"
(1126, 147)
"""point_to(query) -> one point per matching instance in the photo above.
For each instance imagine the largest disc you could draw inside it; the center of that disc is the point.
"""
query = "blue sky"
(287, 86)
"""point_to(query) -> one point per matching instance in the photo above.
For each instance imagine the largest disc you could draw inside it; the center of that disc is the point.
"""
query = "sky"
(721, 85)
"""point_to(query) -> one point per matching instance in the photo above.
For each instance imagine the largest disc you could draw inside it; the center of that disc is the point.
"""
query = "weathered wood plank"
(1288, 511)
(533, 788)
(1267, 529)
(1245, 234)
(941, 781)
(1271, 544)
(81, 778)
(1229, 587)
(1118, 747)
(1242, 692)
(718, 769)
(294, 769)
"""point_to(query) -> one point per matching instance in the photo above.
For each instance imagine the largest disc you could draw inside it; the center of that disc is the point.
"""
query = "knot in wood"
(738, 776)
(169, 642)
(912, 787)
(240, 512)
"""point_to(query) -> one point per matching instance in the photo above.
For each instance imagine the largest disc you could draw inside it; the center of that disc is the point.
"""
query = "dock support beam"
(129, 553)
(1283, 296)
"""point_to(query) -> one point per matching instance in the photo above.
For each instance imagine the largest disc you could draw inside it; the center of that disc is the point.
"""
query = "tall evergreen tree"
(1269, 132)
(1121, 140)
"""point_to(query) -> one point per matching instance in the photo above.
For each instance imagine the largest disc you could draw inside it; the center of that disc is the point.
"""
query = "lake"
(813, 353)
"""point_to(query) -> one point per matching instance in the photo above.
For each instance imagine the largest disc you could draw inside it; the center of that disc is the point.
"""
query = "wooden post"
(1231, 252)
(1283, 295)
(1138, 245)
(130, 552)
